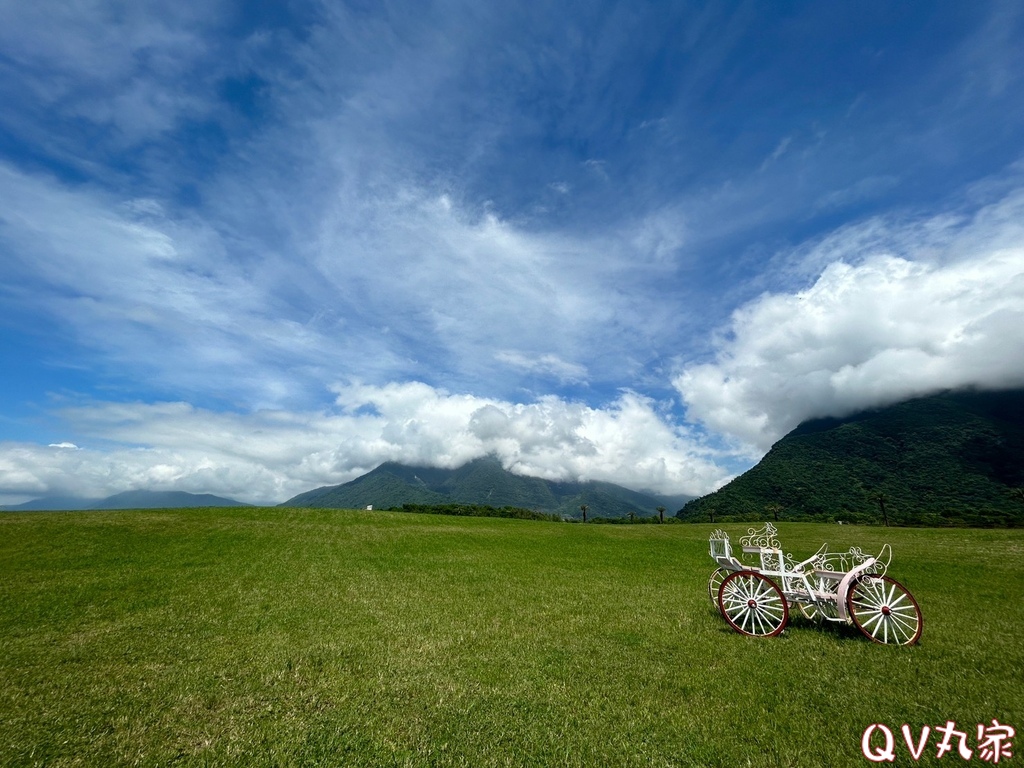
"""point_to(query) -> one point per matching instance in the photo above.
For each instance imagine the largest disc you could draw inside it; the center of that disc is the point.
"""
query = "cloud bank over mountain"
(271, 455)
(908, 310)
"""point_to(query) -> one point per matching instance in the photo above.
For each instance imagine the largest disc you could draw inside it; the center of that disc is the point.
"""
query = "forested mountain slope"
(950, 459)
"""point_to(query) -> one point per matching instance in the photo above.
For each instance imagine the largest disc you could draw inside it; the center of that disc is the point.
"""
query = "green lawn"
(321, 637)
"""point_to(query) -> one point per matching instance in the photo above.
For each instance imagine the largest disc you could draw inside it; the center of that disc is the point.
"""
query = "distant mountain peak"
(481, 481)
(138, 499)
(143, 499)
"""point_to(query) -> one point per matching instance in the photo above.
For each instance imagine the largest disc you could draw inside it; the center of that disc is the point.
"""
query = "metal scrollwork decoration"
(761, 537)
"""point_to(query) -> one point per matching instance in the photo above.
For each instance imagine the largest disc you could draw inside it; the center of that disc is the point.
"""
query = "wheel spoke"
(763, 622)
(871, 625)
(890, 595)
(904, 622)
(755, 622)
(901, 631)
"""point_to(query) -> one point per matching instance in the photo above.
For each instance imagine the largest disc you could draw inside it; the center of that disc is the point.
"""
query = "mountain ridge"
(481, 481)
(139, 499)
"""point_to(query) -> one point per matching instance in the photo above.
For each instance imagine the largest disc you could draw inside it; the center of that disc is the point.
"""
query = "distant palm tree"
(631, 515)
(881, 499)
(774, 509)
(661, 514)
(584, 507)
(1017, 493)
(711, 511)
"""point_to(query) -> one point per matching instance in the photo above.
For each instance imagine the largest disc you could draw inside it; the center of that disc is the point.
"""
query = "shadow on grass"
(801, 624)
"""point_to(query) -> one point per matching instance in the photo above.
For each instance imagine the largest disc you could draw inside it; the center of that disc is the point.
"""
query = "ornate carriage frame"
(849, 587)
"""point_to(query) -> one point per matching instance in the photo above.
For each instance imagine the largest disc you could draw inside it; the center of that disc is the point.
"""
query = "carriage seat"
(721, 552)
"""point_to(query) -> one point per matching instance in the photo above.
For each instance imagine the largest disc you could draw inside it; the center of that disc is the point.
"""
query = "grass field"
(322, 637)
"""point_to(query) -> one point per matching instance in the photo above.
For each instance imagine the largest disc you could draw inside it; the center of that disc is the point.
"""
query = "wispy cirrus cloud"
(779, 151)
(543, 365)
(405, 286)
(120, 75)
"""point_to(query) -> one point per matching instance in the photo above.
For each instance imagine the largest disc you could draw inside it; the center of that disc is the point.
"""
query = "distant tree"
(584, 507)
(711, 511)
(661, 514)
(881, 499)
(631, 515)
(774, 509)
(1017, 493)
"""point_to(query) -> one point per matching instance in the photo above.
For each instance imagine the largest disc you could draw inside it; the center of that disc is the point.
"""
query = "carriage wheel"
(752, 604)
(884, 610)
(717, 577)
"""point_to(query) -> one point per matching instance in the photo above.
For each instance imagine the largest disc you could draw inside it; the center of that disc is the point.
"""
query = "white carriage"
(849, 587)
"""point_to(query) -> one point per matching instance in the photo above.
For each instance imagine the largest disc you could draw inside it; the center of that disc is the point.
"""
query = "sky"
(256, 248)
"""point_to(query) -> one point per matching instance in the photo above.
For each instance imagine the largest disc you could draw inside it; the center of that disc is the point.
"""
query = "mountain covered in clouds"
(950, 459)
(128, 500)
(483, 481)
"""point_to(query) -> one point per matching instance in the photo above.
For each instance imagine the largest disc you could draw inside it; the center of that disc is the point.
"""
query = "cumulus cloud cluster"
(272, 455)
(924, 307)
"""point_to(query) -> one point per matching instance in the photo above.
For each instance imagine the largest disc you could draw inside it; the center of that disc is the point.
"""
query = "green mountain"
(483, 481)
(62, 503)
(166, 499)
(128, 500)
(951, 459)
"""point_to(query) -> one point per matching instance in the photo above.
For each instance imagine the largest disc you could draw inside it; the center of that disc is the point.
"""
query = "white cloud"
(626, 442)
(272, 455)
(873, 331)
(598, 167)
(544, 365)
(475, 286)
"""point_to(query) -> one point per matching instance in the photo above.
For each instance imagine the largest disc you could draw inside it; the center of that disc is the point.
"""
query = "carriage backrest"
(764, 543)
(843, 562)
(719, 546)
(763, 537)
(721, 551)
(766, 546)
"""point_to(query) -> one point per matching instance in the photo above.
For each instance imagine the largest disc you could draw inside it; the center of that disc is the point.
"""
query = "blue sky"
(251, 249)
